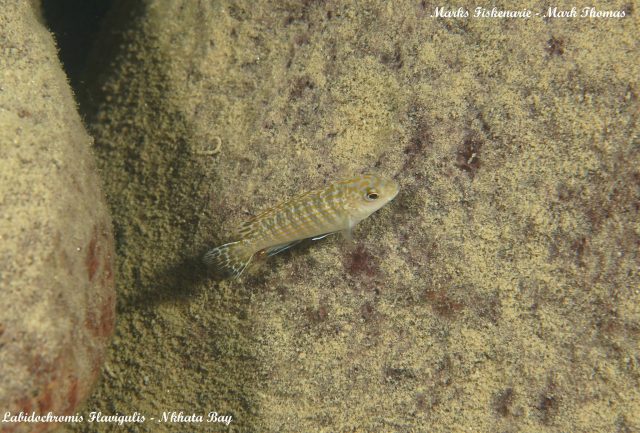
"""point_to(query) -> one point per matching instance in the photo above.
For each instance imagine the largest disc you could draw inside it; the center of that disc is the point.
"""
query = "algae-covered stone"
(56, 276)
(497, 292)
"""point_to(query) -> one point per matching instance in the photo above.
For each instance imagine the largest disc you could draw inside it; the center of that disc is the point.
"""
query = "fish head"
(368, 193)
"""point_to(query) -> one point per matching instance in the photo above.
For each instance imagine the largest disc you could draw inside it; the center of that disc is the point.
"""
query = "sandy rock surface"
(57, 298)
(498, 292)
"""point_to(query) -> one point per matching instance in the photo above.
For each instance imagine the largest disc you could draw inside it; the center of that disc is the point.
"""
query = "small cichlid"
(315, 214)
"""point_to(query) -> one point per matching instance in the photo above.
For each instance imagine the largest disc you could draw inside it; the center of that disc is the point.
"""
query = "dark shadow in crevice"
(75, 25)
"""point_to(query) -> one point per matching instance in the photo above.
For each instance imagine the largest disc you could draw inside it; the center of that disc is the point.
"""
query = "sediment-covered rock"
(57, 300)
(497, 292)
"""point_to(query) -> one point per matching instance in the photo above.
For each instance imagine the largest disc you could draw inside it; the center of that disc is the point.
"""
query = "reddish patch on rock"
(299, 86)
(318, 315)
(108, 316)
(549, 402)
(97, 362)
(100, 317)
(72, 395)
(10, 428)
(102, 323)
(468, 157)
(360, 261)
(443, 304)
(107, 269)
(503, 402)
(24, 404)
(394, 59)
(22, 113)
(39, 366)
(96, 255)
(45, 402)
(92, 260)
(420, 139)
(367, 311)
(63, 371)
(555, 46)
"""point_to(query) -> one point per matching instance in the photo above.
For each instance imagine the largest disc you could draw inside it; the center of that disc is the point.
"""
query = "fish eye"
(371, 195)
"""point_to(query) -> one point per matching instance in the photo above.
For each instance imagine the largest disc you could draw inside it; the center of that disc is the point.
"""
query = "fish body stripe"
(310, 215)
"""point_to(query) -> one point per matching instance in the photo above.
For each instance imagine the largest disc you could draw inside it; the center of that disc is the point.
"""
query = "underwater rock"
(497, 292)
(57, 299)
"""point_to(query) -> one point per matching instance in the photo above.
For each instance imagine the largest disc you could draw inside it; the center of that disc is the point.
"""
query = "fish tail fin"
(229, 259)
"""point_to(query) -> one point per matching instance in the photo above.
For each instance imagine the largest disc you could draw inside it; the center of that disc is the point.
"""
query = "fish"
(313, 215)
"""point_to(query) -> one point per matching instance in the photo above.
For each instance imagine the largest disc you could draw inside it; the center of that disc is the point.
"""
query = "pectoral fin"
(347, 234)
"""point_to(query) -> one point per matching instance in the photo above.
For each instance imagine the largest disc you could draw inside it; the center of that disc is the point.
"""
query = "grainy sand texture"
(499, 291)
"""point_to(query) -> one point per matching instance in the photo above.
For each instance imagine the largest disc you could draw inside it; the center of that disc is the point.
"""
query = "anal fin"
(272, 251)
(322, 236)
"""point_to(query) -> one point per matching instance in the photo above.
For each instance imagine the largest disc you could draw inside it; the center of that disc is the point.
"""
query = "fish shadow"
(179, 282)
(189, 277)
